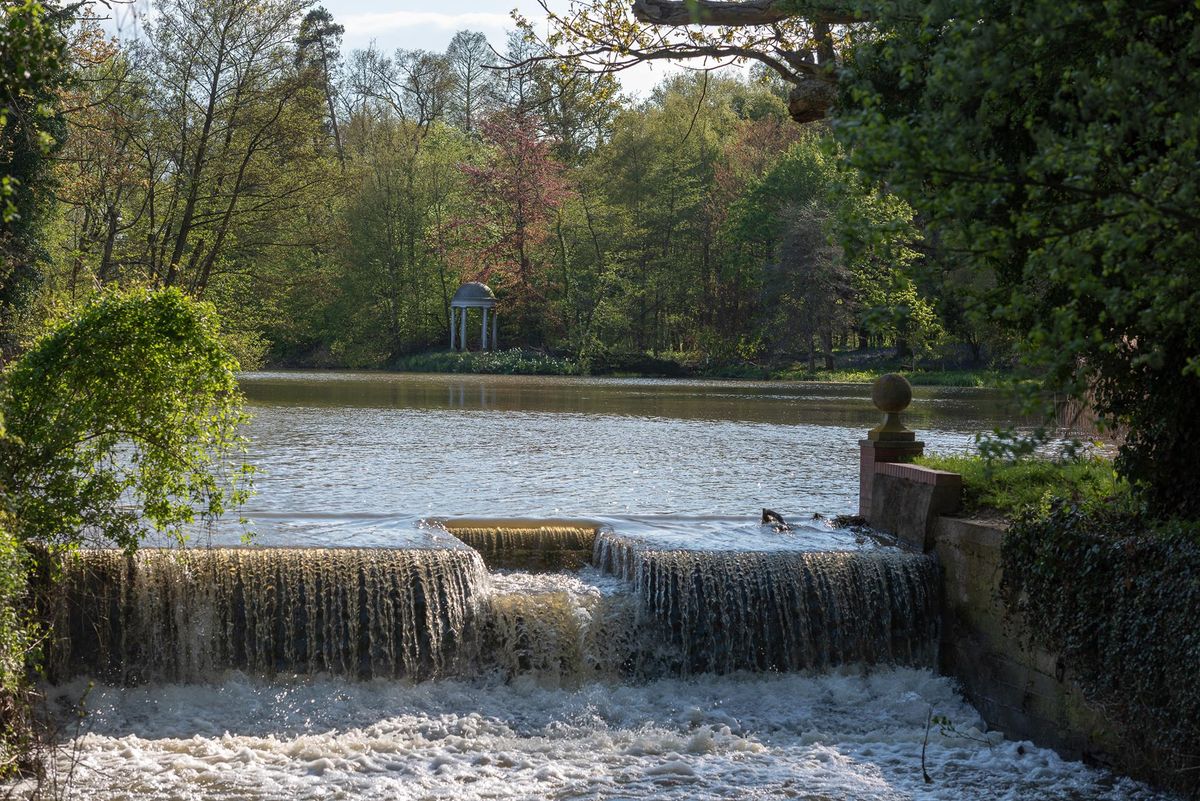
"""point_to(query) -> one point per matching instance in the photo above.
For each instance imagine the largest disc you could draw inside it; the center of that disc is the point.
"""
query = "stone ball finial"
(891, 393)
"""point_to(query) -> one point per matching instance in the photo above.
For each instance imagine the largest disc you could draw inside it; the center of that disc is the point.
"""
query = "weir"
(183, 615)
(634, 611)
(527, 544)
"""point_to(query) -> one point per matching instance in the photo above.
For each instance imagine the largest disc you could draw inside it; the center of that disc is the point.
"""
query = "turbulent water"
(656, 675)
(775, 736)
(667, 648)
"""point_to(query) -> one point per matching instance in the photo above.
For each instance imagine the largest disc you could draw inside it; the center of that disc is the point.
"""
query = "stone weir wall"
(1024, 691)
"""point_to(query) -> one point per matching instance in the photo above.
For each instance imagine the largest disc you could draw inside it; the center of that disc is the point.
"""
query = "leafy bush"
(1116, 597)
(1008, 487)
(122, 420)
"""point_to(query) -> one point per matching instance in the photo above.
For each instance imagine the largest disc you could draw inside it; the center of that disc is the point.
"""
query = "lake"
(348, 458)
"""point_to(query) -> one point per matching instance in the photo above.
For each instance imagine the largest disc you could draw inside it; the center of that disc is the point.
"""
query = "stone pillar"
(888, 442)
(462, 330)
(494, 316)
(453, 320)
(484, 337)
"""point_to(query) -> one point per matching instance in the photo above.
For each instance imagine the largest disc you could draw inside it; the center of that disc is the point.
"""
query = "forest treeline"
(329, 203)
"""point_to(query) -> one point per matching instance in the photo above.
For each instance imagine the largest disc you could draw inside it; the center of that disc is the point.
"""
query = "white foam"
(846, 736)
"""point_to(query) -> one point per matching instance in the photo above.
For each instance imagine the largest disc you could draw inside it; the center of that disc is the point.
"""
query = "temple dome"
(473, 293)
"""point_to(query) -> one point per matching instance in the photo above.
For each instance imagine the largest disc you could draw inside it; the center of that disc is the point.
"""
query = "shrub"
(503, 362)
(122, 420)
(17, 634)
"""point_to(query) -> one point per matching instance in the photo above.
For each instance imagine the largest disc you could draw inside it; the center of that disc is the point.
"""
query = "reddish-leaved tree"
(515, 195)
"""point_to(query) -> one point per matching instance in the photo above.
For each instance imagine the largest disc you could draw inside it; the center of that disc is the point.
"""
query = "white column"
(495, 314)
(462, 330)
(453, 320)
(484, 338)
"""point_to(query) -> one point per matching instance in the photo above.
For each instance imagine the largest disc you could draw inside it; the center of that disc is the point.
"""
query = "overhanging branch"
(745, 12)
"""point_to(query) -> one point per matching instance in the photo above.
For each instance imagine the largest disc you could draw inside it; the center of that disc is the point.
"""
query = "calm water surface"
(353, 458)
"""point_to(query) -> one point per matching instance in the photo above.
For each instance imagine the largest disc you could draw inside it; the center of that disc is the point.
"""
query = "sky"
(420, 24)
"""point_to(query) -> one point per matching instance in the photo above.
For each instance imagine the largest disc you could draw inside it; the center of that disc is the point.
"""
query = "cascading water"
(591, 684)
(561, 629)
(419, 613)
(527, 545)
(783, 610)
(183, 615)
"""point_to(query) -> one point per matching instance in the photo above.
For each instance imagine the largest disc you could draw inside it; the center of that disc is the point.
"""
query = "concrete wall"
(1022, 691)
(1025, 692)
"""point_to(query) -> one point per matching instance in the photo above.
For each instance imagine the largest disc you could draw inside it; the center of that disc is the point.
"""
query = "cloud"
(359, 25)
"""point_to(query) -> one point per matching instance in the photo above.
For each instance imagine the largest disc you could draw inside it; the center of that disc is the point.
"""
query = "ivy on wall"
(1118, 597)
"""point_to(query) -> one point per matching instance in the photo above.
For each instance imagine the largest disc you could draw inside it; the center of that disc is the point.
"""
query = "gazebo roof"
(473, 293)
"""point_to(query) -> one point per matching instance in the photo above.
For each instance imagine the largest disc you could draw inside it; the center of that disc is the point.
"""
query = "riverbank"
(863, 368)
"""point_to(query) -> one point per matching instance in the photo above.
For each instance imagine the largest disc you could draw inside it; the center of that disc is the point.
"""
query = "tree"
(229, 109)
(318, 49)
(475, 85)
(100, 182)
(810, 287)
(396, 279)
(861, 272)
(33, 67)
(517, 189)
(122, 420)
(1065, 176)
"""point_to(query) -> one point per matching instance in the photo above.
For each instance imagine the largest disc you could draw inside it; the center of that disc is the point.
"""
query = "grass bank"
(1008, 488)
(918, 378)
(502, 362)
(516, 361)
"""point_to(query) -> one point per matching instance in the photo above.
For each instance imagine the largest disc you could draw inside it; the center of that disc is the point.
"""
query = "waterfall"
(183, 614)
(724, 611)
(528, 544)
(638, 611)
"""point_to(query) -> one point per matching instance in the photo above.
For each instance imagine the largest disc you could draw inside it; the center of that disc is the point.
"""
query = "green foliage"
(1115, 595)
(32, 70)
(504, 362)
(1010, 487)
(330, 207)
(1050, 149)
(121, 420)
(17, 635)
